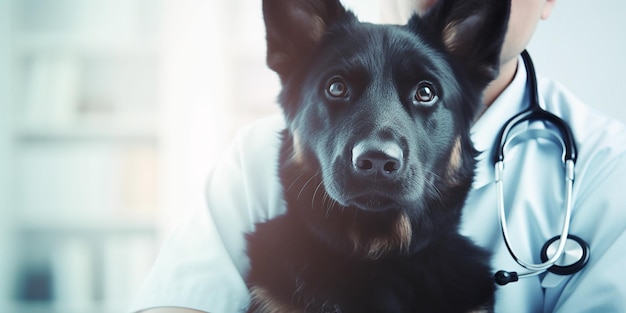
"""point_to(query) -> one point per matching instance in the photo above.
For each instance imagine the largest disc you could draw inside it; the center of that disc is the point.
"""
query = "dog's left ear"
(294, 28)
(472, 31)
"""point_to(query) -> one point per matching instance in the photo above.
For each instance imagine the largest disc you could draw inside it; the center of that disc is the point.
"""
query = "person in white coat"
(202, 266)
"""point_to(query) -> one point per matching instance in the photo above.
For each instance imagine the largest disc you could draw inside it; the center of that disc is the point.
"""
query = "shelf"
(29, 43)
(85, 146)
(110, 227)
(51, 307)
(87, 133)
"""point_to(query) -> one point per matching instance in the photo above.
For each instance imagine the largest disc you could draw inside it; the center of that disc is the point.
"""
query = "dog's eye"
(425, 94)
(337, 88)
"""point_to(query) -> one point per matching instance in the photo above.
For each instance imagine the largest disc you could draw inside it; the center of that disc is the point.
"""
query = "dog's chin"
(370, 199)
(374, 203)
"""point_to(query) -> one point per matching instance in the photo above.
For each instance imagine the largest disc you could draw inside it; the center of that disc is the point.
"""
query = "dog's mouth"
(378, 198)
(374, 203)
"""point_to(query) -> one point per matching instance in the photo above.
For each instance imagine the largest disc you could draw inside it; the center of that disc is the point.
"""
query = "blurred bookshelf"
(83, 161)
(112, 113)
(254, 87)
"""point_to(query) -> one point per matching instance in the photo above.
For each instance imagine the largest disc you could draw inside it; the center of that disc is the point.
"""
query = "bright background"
(112, 112)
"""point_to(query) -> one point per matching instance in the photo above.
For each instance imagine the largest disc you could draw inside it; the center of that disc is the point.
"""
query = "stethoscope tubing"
(536, 267)
(536, 113)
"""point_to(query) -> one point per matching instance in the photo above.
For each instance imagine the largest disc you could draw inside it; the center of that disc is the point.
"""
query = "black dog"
(376, 160)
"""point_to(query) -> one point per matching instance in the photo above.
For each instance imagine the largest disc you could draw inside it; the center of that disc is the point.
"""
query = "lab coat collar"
(510, 102)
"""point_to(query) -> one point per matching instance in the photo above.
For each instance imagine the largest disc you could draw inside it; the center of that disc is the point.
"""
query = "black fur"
(375, 180)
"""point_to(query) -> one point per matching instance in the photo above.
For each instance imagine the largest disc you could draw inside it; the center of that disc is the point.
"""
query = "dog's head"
(377, 156)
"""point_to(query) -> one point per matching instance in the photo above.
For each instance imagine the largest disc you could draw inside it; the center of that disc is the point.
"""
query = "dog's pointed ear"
(293, 29)
(472, 31)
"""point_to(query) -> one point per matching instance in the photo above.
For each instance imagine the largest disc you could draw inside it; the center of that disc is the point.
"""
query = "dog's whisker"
(294, 182)
(330, 205)
(326, 203)
(315, 194)
(306, 183)
(434, 186)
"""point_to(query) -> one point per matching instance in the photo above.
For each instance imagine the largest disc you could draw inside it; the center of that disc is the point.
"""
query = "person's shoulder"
(600, 138)
(262, 135)
(252, 152)
(270, 122)
(591, 127)
(268, 127)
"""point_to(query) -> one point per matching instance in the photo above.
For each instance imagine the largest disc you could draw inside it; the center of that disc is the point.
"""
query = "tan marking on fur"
(318, 27)
(297, 154)
(404, 231)
(307, 20)
(266, 303)
(455, 34)
(378, 247)
(399, 240)
(353, 235)
(456, 160)
(484, 309)
(450, 34)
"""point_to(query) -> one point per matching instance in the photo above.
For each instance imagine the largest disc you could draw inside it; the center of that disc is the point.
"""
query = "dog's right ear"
(293, 29)
(473, 31)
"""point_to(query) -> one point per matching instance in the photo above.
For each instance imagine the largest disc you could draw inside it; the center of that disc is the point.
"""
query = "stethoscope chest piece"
(574, 257)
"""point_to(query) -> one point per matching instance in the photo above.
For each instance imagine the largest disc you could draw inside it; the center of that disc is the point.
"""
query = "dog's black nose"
(373, 157)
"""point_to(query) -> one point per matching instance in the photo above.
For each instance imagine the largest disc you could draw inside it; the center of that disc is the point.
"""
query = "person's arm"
(202, 263)
(170, 310)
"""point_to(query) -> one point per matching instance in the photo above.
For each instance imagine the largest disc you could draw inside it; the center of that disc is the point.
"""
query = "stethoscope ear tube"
(535, 113)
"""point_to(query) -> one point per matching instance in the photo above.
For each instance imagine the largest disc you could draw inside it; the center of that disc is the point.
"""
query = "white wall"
(5, 166)
(192, 90)
(583, 46)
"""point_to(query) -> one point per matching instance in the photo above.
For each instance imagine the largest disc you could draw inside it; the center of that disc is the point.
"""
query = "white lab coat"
(203, 263)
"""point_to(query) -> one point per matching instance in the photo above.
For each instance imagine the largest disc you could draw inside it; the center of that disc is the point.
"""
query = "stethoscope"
(564, 254)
